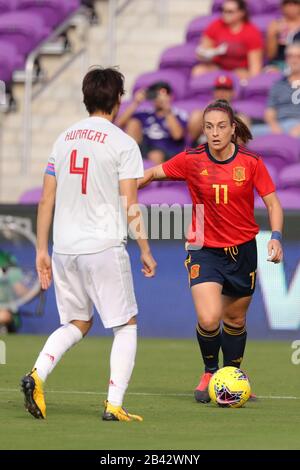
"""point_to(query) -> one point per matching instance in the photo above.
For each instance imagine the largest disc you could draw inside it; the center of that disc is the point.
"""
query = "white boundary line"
(142, 394)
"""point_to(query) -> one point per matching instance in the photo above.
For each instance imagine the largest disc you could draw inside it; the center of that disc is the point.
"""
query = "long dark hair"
(242, 133)
(242, 5)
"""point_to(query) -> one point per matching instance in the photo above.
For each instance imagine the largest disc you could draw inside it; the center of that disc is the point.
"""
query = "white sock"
(56, 345)
(122, 359)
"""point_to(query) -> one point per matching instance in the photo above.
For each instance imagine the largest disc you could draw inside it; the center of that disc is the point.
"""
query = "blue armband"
(276, 235)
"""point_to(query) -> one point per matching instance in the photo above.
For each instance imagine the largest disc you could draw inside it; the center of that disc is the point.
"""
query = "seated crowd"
(230, 44)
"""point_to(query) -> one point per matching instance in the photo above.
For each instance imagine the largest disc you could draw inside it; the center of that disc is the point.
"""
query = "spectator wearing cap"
(231, 43)
(223, 90)
(283, 109)
(160, 129)
(282, 32)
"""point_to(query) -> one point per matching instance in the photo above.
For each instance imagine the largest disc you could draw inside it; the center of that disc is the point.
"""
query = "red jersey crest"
(239, 174)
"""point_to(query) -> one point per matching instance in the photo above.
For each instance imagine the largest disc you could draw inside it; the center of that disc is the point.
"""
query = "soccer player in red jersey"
(222, 257)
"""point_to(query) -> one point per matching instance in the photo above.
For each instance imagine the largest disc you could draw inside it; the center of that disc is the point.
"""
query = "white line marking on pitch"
(145, 394)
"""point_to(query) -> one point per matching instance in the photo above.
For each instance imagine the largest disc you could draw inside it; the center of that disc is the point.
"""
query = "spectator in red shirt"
(222, 255)
(231, 43)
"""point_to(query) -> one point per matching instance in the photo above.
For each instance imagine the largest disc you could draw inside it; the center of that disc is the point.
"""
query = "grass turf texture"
(161, 391)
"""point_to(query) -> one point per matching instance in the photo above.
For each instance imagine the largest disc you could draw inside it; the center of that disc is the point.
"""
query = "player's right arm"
(44, 220)
(130, 169)
(155, 173)
(173, 169)
(128, 191)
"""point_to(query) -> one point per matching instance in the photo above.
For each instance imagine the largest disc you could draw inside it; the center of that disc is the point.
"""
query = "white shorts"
(103, 279)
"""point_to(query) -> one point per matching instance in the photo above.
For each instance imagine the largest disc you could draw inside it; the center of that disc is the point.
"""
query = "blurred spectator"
(231, 43)
(281, 32)
(159, 130)
(223, 90)
(283, 110)
(10, 276)
(90, 5)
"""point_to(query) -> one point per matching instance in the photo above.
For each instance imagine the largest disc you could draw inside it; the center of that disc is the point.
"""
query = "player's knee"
(235, 321)
(83, 326)
(209, 324)
(132, 321)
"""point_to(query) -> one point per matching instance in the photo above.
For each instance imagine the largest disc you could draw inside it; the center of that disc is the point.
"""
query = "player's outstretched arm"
(152, 174)
(272, 203)
(44, 220)
(128, 191)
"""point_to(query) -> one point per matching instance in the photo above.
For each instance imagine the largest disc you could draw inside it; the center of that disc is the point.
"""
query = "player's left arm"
(275, 213)
(44, 220)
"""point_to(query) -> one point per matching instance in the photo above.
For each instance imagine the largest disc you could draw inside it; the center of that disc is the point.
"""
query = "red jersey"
(239, 44)
(226, 190)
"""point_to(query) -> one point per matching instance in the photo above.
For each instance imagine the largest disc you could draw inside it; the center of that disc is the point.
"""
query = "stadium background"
(168, 362)
(119, 38)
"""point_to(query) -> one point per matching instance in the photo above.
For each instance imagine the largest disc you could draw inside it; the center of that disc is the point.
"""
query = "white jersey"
(88, 160)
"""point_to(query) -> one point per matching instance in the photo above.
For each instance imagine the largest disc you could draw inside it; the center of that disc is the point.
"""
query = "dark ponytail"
(242, 133)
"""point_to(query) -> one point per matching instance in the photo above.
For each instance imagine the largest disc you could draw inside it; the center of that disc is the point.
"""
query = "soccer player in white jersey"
(91, 175)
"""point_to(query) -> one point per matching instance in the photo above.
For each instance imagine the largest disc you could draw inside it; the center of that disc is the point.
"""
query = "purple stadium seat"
(177, 81)
(197, 26)
(126, 103)
(289, 198)
(273, 171)
(262, 21)
(255, 109)
(270, 6)
(10, 60)
(182, 57)
(31, 196)
(53, 12)
(255, 7)
(190, 105)
(290, 177)
(280, 150)
(202, 85)
(7, 5)
(258, 202)
(259, 86)
(5, 73)
(23, 29)
(148, 164)
(174, 193)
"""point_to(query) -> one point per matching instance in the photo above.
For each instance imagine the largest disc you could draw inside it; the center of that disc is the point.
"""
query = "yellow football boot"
(118, 413)
(34, 401)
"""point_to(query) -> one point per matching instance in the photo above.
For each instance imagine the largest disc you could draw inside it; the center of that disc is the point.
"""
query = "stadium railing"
(30, 94)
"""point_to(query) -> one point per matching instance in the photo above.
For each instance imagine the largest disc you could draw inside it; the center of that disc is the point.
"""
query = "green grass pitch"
(161, 391)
